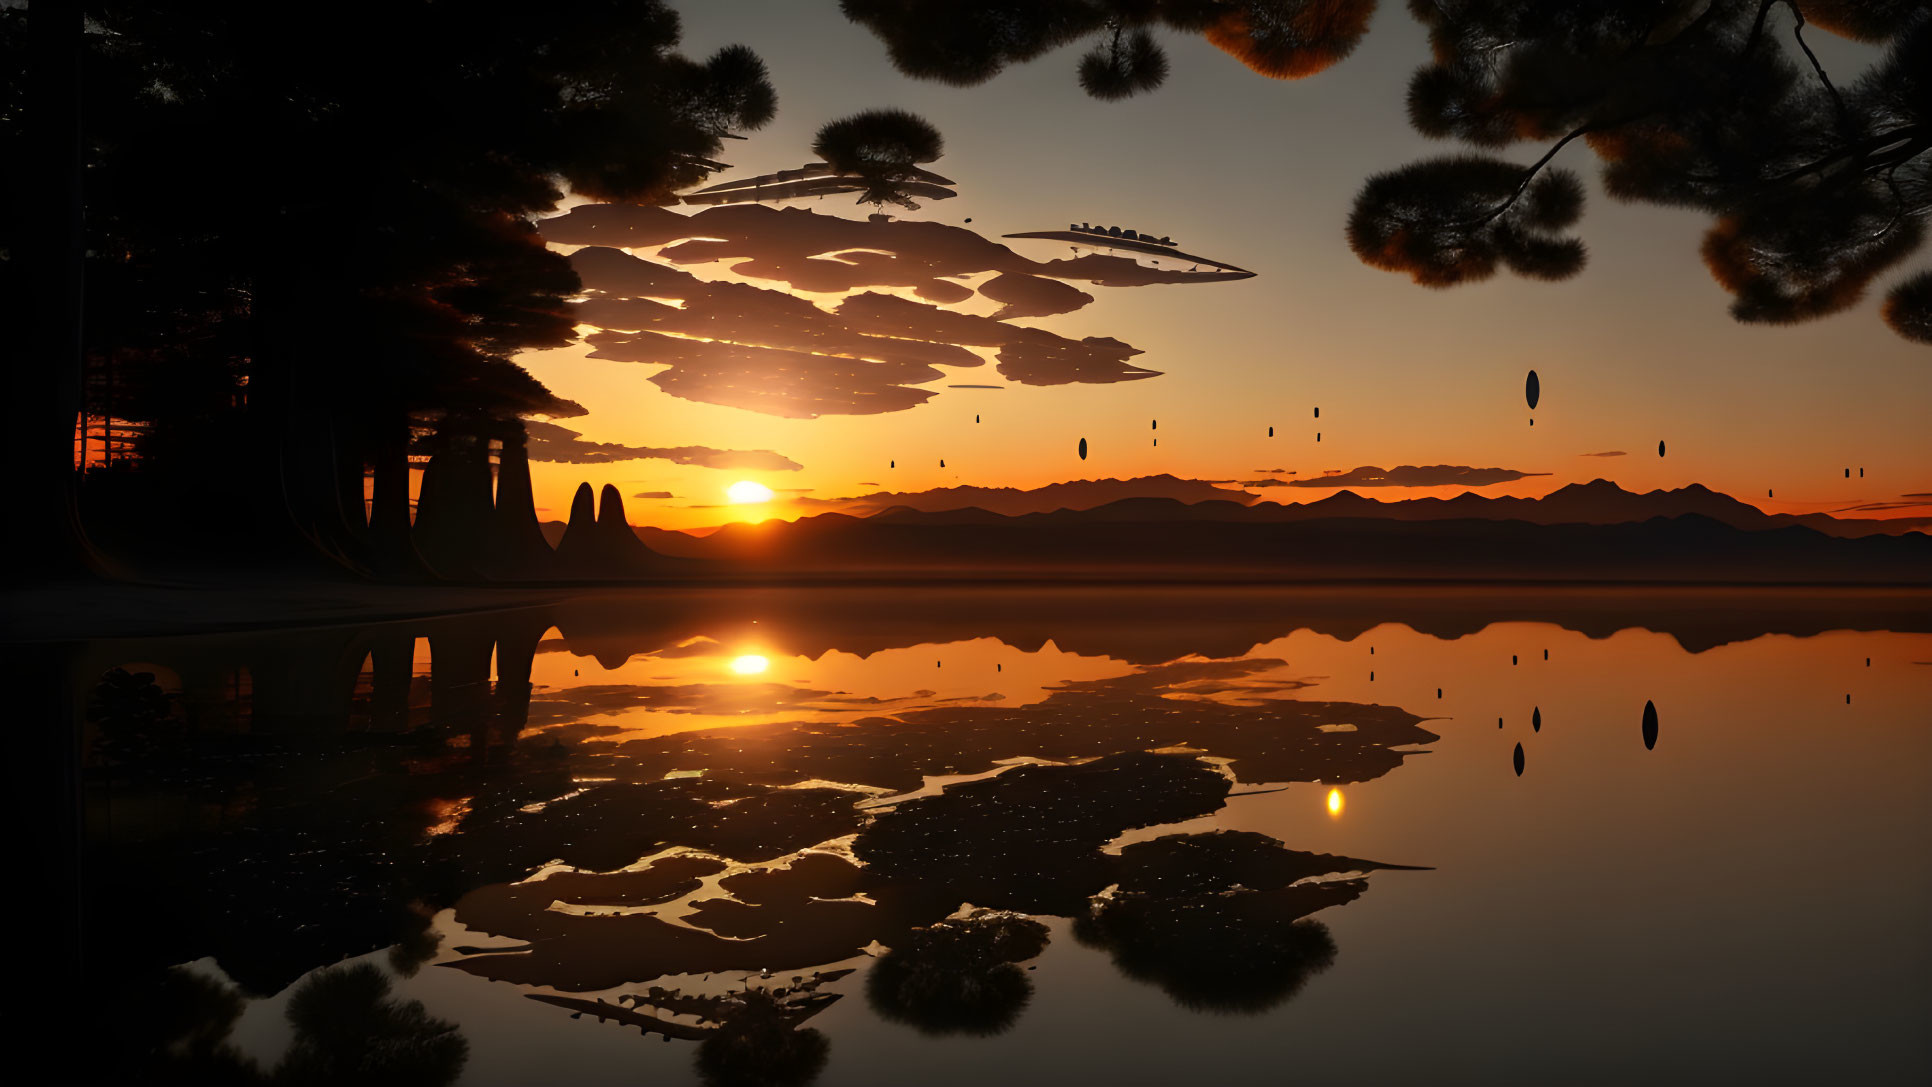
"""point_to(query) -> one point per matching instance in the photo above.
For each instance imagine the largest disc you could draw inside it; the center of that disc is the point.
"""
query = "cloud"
(831, 254)
(775, 352)
(1275, 471)
(1409, 475)
(1609, 453)
(1875, 507)
(654, 494)
(1032, 296)
(561, 445)
(1031, 356)
(976, 386)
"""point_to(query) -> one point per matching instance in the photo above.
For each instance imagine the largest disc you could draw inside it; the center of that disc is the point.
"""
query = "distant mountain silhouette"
(1074, 494)
(1342, 537)
(1598, 502)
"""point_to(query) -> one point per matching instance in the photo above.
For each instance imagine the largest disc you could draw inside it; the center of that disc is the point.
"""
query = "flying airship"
(814, 179)
(1133, 241)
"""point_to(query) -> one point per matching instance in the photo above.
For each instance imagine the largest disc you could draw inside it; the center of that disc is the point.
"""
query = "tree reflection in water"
(347, 1029)
(324, 809)
(958, 976)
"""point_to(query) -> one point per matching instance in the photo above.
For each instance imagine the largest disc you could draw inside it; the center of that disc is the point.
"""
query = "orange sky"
(1261, 174)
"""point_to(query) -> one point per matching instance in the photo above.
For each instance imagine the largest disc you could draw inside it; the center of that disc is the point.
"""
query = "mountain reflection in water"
(599, 807)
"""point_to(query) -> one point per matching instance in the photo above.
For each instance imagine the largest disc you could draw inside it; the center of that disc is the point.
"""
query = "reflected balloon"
(1519, 760)
(1536, 719)
(1532, 390)
(1650, 725)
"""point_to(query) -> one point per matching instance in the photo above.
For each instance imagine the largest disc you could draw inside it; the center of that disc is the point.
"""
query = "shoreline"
(97, 611)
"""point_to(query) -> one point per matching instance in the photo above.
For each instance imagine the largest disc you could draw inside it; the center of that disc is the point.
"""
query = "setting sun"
(1335, 802)
(746, 492)
(750, 665)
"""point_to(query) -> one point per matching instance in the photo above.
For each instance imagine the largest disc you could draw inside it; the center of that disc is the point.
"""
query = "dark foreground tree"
(1815, 187)
(307, 239)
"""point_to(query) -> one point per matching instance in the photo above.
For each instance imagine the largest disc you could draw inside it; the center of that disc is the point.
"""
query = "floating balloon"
(1650, 724)
(1519, 760)
(1848, 473)
(1318, 413)
(893, 464)
(1499, 722)
(1532, 390)
(975, 418)
(1536, 719)
(1861, 473)
(1512, 659)
(942, 462)
(1156, 425)
(1438, 692)
(1660, 447)
(1318, 435)
(1271, 432)
(1083, 449)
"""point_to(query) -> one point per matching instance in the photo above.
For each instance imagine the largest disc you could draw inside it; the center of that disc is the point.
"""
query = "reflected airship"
(1131, 241)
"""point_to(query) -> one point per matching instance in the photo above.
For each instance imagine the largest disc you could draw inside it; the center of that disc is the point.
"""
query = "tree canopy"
(1815, 189)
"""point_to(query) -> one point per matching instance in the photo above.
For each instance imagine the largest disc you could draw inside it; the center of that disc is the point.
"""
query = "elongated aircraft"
(1130, 240)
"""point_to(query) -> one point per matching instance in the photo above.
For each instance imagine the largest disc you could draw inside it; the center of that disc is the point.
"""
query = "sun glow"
(1335, 802)
(747, 492)
(750, 664)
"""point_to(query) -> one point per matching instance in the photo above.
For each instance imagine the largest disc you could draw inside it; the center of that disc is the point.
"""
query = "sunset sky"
(1261, 174)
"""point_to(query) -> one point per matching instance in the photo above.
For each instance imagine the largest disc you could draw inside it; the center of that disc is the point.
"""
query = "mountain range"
(1584, 532)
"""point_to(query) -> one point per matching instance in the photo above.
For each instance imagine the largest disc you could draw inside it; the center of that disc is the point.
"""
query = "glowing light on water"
(1335, 802)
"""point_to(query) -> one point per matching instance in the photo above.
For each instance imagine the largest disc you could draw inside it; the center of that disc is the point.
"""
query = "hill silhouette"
(1344, 537)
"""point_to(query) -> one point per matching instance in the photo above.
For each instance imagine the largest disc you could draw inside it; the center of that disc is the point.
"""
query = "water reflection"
(682, 844)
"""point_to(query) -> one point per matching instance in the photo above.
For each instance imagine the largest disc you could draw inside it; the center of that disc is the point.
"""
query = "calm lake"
(973, 836)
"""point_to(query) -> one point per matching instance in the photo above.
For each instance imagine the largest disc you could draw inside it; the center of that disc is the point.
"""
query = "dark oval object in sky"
(1318, 435)
(942, 462)
(1271, 432)
(1660, 447)
(1318, 413)
(1156, 425)
(1519, 760)
(1083, 449)
(1532, 390)
(1650, 725)
(1536, 719)
(975, 418)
